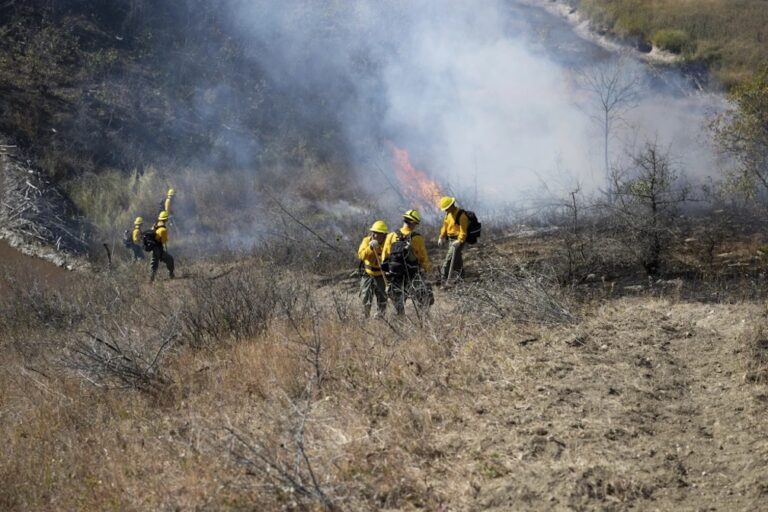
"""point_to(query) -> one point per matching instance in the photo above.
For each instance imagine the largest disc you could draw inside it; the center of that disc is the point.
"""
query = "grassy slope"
(731, 36)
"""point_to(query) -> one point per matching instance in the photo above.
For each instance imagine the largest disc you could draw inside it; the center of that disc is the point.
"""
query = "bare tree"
(648, 194)
(613, 90)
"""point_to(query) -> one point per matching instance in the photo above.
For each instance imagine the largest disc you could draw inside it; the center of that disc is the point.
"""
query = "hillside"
(111, 99)
(729, 38)
(605, 349)
(116, 102)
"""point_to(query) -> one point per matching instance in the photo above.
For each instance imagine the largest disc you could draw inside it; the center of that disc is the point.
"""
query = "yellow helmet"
(163, 215)
(446, 202)
(138, 221)
(380, 227)
(171, 192)
(412, 216)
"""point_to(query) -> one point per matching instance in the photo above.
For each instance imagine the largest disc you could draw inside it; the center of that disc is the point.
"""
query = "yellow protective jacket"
(368, 257)
(161, 233)
(136, 235)
(418, 247)
(453, 229)
(167, 204)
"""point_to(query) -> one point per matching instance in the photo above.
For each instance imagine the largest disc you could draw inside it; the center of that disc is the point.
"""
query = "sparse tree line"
(647, 208)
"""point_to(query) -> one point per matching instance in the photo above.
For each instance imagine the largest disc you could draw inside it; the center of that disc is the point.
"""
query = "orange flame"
(415, 183)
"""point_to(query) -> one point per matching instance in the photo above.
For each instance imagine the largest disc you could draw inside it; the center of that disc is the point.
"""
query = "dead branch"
(300, 223)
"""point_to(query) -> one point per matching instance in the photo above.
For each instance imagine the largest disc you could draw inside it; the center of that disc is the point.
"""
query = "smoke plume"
(480, 101)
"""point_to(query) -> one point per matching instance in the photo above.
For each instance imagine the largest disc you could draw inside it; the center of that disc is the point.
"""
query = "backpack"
(148, 240)
(475, 227)
(127, 239)
(401, 261)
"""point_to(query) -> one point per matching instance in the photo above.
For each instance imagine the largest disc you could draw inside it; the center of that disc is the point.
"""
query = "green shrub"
(673, 40)
(112, 199)
(730, 37)
(632, 23)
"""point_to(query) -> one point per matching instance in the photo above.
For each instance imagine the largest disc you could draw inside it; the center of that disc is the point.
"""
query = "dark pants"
(453, 256)
(371, 287)
(159, 254)
(138, 252)
(414, 287)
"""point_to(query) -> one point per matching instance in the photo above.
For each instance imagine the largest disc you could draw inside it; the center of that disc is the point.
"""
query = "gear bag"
(475, 227)
(401, 261)
(127, 239)
(148, 240)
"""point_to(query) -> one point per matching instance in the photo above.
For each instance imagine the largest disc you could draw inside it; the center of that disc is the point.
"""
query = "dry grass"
(320, 410)
(755, 350)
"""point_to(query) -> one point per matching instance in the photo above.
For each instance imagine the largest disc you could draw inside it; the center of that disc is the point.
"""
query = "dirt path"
(28, 267)
(644, 406)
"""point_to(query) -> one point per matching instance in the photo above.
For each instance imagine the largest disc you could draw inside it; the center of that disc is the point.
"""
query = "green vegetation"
(672, 40)
(730, 36)
(742, 133)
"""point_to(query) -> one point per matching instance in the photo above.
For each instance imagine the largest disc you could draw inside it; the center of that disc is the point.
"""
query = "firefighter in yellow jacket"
(406, 260)
(133, 241)
(455, 229)
(372, 282)
(166, 204)
(159, 252)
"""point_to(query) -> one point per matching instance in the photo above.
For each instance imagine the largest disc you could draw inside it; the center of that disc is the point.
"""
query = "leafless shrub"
(519, 295)
(237, 305)
(285, 467)
(123, 355)
(306, 317)
(295, 302)
(648, 197)
(344, 305)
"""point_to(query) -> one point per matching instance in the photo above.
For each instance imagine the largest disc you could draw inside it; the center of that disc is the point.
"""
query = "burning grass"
(416, 184)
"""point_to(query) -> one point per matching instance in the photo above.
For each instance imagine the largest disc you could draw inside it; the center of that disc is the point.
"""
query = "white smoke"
(486, 108)
(469, 90)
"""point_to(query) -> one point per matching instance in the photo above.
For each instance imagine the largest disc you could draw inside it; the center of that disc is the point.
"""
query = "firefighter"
(455, 229)
(159, 252)
(372, 282)
(135, 240)
(406, 260)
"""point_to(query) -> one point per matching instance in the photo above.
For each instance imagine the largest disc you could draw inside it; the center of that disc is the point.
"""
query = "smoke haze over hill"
(476, 95)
